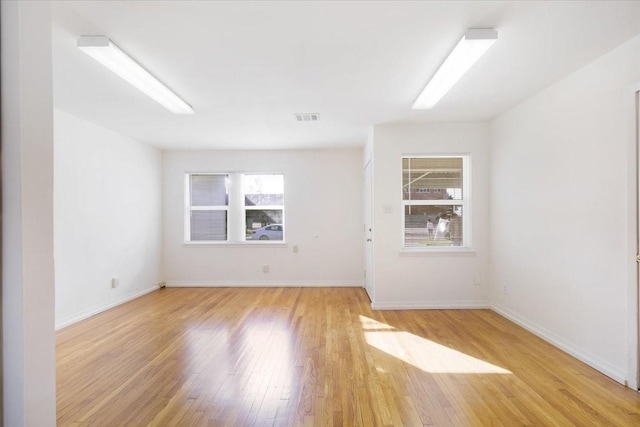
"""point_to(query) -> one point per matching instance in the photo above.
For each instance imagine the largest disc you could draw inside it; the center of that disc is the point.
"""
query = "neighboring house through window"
(435, 198)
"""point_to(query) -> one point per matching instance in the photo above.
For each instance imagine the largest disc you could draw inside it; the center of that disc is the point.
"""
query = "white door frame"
(633, 242)
(368, 232)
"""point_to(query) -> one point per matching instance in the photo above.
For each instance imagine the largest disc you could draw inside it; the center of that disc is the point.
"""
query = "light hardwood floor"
(319, 356)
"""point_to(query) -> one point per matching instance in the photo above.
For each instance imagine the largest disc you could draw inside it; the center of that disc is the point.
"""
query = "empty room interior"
(358, 213)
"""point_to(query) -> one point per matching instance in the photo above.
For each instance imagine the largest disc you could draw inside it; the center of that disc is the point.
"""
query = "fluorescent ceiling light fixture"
(473, 45)
(108, 54)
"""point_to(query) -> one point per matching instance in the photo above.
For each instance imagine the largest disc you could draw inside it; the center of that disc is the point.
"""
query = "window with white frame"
(435, 198)
(234, 207)
(264, 206)
(208, 206)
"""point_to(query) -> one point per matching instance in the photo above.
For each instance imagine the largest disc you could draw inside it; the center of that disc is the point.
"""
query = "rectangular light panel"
(108, 54)
(469, 49)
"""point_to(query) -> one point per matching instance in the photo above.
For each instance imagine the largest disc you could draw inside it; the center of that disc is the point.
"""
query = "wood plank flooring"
(319, 357)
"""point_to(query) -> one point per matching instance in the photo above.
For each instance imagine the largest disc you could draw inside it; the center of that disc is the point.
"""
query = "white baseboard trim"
(430, 305)
(262, 284)
(70, 320)
(606, 368)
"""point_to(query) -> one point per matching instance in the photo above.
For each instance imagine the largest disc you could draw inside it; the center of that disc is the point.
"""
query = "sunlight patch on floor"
(422, 353)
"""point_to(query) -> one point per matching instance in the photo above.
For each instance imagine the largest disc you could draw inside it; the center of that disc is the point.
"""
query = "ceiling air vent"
(307, 117)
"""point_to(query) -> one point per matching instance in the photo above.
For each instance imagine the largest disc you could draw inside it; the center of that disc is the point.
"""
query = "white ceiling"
(246, 67)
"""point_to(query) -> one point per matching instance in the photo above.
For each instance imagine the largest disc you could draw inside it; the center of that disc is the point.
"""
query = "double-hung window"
(208, 207)
(435, 198)
(234, 207)
(264, 206)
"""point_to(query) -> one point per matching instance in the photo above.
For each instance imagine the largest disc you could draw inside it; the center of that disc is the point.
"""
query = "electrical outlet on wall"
(115, 282)
(265, 268)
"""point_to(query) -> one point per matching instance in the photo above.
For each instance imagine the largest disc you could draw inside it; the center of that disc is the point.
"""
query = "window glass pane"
(264, 190)
(433, 225)
(209, 190)
(435, 178)
(264, 224)
(208, 225)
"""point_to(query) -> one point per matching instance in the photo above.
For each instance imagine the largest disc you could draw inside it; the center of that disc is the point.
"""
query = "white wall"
(107, 217)
(27, 225)
(323, 216)
(562, 181)
(428, 280)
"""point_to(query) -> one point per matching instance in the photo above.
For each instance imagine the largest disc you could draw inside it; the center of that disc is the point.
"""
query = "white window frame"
(465, 203)
(236, 210)
(189, 208)
(246, 208)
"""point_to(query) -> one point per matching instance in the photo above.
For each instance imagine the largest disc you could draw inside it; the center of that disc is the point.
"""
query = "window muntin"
(435, 196)
(264, 206)
(208, 203)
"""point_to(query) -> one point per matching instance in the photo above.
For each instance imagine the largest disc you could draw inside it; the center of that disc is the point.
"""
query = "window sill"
(455, 251)
(278, 244)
